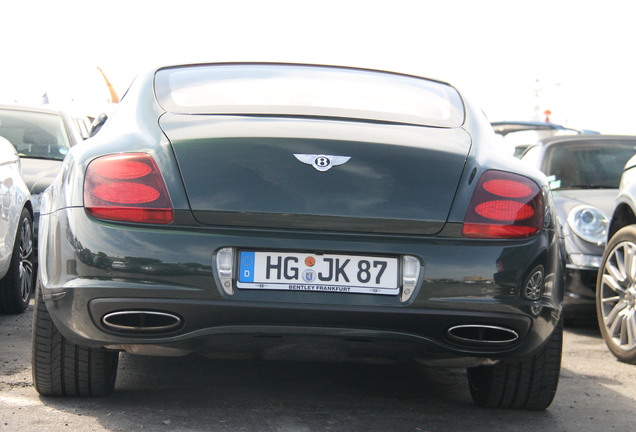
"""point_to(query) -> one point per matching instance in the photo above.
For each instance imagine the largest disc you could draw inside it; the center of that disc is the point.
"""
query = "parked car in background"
(17, 277)
(83, 124)
(42, 137)
(517, 136)
(616, 283)
(299, 211)
(584, 173)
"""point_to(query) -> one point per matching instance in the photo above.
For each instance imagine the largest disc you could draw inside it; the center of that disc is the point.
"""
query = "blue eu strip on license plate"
(312, 272)
(246, 267)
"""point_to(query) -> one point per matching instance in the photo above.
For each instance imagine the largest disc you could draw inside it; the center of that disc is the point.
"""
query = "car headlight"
(589, 223)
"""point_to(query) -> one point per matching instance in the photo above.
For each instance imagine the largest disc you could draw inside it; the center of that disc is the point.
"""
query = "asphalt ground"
(194, 393)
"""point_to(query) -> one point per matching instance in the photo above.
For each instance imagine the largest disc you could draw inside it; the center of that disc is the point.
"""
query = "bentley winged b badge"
(322, 162)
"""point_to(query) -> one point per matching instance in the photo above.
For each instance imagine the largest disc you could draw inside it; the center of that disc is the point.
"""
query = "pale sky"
(514, 59)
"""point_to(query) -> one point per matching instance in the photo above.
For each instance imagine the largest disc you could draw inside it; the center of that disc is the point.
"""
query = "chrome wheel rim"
(617, 296)
(533, 288)
(25, 266)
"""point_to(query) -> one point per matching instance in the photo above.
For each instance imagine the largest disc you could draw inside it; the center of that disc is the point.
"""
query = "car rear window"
(299, 90)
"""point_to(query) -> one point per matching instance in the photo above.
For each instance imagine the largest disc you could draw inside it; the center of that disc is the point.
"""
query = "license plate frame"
(329, 272)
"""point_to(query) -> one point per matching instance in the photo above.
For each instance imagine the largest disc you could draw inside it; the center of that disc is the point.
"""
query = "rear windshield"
(298, 90)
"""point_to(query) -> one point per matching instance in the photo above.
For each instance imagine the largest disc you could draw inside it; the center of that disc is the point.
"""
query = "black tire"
(616, 295)
(529, 384)
(62, 368)
(16, 287)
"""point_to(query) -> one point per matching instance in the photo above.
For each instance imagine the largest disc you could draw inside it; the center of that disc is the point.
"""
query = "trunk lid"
(264, 172)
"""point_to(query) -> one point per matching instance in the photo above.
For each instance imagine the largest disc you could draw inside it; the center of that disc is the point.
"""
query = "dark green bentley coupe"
(286, 210)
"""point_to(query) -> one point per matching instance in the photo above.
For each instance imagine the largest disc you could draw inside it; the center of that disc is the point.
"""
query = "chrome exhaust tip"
(482, 335)
(140, 321)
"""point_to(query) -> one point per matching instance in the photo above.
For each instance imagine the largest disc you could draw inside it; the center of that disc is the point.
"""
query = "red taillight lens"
(127, 187)
(507, 188)
(504, 210)
(504, 205)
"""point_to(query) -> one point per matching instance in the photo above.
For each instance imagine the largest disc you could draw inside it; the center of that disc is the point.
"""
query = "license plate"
(311, 272)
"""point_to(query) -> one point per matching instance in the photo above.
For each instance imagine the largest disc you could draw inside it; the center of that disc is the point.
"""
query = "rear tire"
(16, 287)
(62, 368)
(529, 384)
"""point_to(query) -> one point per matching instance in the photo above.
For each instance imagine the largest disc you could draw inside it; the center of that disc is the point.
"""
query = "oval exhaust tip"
(141, 321)
(482, 335)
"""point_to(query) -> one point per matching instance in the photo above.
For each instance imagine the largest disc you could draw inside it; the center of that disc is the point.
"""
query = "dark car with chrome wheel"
(299, 211)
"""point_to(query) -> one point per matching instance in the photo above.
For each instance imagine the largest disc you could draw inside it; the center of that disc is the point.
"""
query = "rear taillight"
(127, 187)
(504, 205)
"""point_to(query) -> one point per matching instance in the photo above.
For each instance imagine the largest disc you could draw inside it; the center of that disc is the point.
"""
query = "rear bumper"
(95, 270)
(246, 329)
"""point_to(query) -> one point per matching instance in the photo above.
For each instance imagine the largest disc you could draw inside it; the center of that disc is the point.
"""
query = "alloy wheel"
(534, 286)
(617, 296)
(25, 269)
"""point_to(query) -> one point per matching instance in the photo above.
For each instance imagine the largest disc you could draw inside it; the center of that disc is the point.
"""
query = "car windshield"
(35, 134)
(297, 90)
(587, 165)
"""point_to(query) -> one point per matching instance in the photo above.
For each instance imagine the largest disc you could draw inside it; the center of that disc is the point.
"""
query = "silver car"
(42, 136)
(616, 283)
(16, 234)
(584, 173)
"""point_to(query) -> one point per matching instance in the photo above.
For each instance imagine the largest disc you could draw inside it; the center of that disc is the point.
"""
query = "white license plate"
(311, 272)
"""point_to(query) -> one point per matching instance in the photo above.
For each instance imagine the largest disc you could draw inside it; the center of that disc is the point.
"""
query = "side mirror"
(97, 124)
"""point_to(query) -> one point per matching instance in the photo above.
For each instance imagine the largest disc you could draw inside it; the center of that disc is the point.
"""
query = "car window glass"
(34, 134)
(588, 165)
(308, 91)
